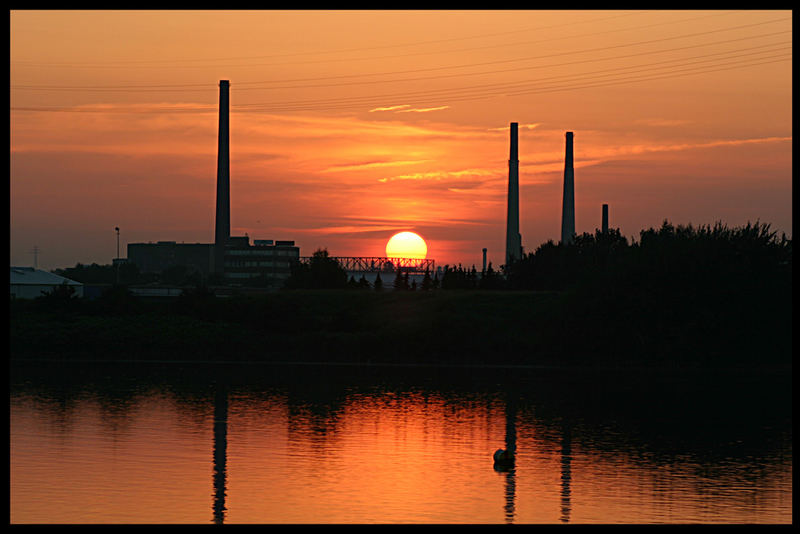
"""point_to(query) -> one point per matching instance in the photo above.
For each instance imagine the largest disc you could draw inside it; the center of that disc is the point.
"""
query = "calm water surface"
(261, 444)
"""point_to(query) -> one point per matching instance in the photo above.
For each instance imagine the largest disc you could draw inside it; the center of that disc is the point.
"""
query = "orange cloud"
(324, 230)
(663, 122)
(530, 126)
(422, 110)
(372, 165)
(440, 175)
(615, 152)
(390, 108)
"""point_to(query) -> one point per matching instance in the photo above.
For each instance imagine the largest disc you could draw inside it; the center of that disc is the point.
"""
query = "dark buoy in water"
(503, 458)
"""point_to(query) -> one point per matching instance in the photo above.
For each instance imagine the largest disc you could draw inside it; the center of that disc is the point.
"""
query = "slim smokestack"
(222, 230)
(568, 206)
(484, 260)
(513, 237)
(605, 218)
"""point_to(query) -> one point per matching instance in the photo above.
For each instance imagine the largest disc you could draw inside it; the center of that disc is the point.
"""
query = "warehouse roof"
(31, 276)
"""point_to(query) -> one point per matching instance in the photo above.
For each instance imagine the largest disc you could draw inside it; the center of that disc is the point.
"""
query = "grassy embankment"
(586, 328)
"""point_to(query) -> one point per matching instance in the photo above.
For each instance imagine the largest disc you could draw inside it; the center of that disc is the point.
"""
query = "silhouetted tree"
(321, 272)
(378, 283)
(181, 275)
(60, 298)
(447, 278)
(117, 300)
(413, 286)
(459, 278)
(400, 283)
(363, 283)
(104, 274)
(198, 302)
(490, 279)
(427, 282)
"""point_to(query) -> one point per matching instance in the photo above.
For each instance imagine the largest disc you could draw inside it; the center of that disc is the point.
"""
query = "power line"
(335, 51)
(396, 80)
(523, 82)
(35, 251)
(563, 88)
(454, 96)
(464, 74)
(498, 61)
(518, 43)
(550, 39)
(530, 58)
(479, 96)
(692, 70)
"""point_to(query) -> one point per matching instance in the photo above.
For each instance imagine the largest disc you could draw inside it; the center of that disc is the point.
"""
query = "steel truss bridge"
(373, 264)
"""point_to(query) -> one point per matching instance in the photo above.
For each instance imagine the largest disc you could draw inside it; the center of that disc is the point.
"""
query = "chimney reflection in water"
(511, 447)
(566, 474)
(220, 451)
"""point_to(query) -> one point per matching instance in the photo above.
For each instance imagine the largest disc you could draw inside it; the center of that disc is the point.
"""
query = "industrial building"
(264, 258)
(29, 283)
(156, 257)
(232, 258)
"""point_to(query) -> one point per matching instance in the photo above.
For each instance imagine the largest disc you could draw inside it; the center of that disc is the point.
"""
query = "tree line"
(670, 256)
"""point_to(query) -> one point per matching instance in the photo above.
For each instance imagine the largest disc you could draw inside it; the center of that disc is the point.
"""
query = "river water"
(116, 443)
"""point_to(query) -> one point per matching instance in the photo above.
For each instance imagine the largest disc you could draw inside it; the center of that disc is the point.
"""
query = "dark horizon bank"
(710, 298)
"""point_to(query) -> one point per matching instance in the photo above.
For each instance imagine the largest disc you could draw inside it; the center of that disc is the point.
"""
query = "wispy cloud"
(529, 126)
(643, 149)
(390, 108)
(663, 122)
(349, 229)
(440, 175)
(132, 108)
(406, 221)
(402, 109)
(421, 110)
(553, 163)
(372, 165)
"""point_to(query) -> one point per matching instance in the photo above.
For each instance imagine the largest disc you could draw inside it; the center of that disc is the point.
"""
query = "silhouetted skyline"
(391, 121)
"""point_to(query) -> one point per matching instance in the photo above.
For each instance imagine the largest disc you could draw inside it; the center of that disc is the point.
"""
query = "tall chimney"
(223, 223)
(568, 206)
(484, 260)
(513, 237)
(605, 219)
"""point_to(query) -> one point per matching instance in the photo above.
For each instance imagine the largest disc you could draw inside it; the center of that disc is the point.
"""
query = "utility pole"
(117, 261)
(35, 252)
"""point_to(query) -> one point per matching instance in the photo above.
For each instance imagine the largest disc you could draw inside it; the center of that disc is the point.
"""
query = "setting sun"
(406, 245)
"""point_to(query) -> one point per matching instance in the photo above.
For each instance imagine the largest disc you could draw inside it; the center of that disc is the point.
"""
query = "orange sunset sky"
(350, 126)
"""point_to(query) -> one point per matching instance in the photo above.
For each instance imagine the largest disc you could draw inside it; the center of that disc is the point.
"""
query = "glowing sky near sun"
(348, 127)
